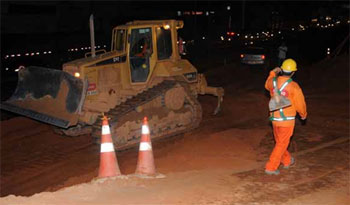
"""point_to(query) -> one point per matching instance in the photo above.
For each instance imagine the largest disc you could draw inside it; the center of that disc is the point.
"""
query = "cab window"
(164, 46)
(141, 42)
(140, 53)
(119, 40)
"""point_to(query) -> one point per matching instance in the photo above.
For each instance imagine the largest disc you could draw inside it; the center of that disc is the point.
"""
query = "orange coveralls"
(283, 130)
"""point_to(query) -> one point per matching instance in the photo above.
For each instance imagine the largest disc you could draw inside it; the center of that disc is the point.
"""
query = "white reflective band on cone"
(106, 130)
(145, 146)
(145, 130)
(107, 147)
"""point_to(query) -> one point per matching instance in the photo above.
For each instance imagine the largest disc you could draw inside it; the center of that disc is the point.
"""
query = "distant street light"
(228, 8)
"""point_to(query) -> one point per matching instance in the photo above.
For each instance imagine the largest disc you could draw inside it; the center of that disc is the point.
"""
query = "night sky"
(61, 23)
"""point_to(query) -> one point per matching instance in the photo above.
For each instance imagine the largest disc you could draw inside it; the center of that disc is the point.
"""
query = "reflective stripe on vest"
(282, 87)
(283, 117)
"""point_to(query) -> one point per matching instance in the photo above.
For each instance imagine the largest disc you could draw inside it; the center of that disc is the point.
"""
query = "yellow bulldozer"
(142, 75)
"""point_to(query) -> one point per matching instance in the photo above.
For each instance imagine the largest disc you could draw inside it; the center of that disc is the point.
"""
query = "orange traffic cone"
(145, 163)
(108, 161)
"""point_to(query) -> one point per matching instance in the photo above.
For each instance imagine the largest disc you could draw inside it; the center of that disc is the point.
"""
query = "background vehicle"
(142, 75)
(253, 56)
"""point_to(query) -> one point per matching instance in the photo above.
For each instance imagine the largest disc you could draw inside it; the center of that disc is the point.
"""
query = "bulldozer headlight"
(166, 26)
(191, 76)
(77, 74)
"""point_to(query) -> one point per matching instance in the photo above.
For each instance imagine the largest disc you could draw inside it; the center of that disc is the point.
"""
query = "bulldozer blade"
(277, 102)
(48, 95)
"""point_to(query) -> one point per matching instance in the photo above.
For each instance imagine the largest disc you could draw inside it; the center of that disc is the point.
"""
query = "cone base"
(108, 165)
(104, 175)
(143, 176)
(145, 164)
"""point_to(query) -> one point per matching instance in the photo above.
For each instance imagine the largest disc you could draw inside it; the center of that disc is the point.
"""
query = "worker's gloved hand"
(303, 120)
(277, 70)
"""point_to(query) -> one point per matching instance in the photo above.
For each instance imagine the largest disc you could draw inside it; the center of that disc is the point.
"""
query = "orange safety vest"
(294, 93)
(283, 117)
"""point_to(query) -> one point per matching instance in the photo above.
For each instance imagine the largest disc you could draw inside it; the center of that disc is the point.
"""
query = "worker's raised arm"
(299, 102)
(273, 73)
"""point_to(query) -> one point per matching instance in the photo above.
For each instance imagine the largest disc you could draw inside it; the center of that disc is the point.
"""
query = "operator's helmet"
(289, 65)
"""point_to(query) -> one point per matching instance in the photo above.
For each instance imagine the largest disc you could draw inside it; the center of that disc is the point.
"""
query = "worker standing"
(282, 53)
(283, 119)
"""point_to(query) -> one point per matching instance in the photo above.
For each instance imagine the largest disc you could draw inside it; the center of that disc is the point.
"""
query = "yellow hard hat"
(289, 65)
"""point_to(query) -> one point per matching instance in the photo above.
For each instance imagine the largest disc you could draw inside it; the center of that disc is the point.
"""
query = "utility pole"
(229, 17)
(243, 15)
(208, 31)
(195, 29)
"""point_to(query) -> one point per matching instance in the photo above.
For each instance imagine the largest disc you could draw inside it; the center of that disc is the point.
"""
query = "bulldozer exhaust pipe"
(92, 36)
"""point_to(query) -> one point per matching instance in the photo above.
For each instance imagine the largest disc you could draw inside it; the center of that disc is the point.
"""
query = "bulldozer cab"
(146, 43)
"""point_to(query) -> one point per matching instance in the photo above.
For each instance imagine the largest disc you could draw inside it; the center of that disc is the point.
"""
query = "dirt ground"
(221, 162)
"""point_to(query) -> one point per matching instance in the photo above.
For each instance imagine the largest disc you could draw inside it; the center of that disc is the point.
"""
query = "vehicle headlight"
(191, 76)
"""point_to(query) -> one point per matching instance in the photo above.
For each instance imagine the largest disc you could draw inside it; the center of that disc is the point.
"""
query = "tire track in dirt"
(48, 167)
(44, 157)
(41, 176)
(31, 150)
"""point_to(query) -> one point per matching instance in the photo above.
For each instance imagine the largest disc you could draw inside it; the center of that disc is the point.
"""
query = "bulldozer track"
(142, 98)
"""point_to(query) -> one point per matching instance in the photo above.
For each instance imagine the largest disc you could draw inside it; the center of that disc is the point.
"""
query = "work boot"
(268, 172)
(292, 161)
